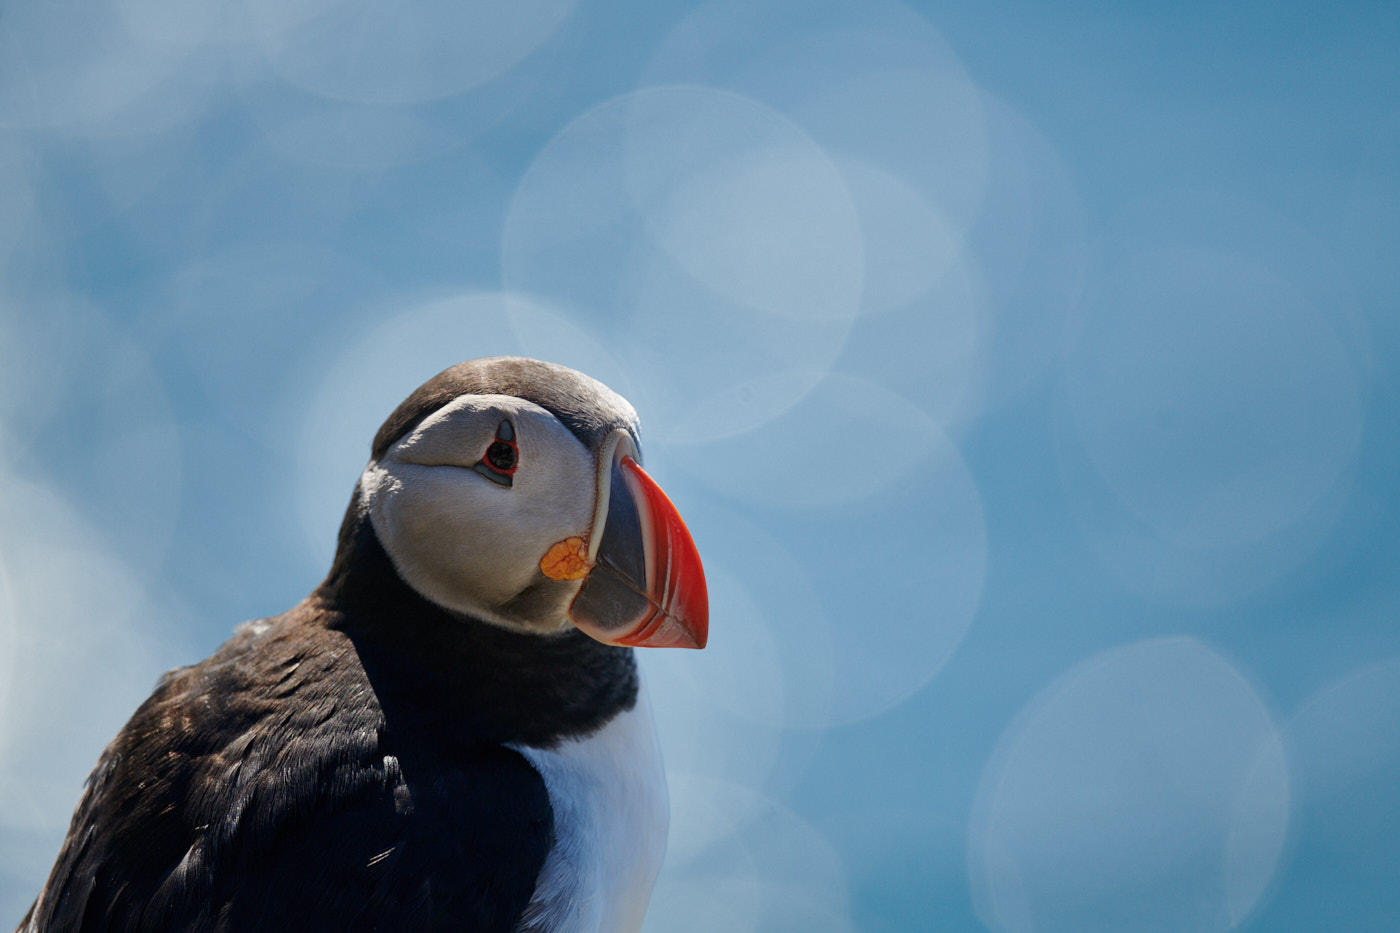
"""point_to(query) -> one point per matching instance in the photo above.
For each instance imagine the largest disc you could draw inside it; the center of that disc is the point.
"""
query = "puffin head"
(511, 490)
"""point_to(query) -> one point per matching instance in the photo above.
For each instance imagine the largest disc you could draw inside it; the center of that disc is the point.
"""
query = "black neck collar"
(431, 668)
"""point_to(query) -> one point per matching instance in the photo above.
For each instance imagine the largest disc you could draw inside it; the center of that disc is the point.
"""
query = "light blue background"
(1027, 374)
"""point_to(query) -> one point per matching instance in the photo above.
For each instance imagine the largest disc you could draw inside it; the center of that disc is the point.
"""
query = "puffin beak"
(646, 587)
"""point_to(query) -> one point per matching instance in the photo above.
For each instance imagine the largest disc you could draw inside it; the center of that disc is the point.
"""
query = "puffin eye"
(501, 458)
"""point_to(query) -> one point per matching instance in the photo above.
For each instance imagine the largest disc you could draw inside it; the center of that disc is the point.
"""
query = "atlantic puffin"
(450, 732)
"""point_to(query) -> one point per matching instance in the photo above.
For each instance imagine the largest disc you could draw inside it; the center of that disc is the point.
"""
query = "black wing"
(265, 789)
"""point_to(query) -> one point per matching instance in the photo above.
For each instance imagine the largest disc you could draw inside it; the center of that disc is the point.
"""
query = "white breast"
(611, 812)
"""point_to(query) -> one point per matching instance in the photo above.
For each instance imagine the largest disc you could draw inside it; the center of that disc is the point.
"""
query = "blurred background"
(1027, 375)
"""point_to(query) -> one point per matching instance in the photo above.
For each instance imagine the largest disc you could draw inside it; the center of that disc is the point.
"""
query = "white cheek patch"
(452, 539)
(458, 538)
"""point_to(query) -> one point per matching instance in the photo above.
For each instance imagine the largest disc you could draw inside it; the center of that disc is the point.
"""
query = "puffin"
(451, 731)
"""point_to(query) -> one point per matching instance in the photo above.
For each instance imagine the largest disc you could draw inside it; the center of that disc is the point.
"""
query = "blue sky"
(1027, 375)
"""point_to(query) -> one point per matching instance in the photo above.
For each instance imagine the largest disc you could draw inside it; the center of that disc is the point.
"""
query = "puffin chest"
(608, 794)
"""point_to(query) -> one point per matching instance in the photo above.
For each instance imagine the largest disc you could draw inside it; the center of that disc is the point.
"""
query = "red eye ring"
(502, 457)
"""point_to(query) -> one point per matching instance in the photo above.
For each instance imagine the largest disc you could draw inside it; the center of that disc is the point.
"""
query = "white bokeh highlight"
(1344, 741)
(178, 22)
(873, 485)
(874, 81)
(707, 236)
(1146, 788)
(376, 51)
(848, 439)
(744, 202)
(974, 250)
(1212, 406)
(909, 244)
(739, 860)
(64, 63)
(1216, 402)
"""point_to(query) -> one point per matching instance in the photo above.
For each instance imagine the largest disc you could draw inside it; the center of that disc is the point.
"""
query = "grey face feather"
(455, 531)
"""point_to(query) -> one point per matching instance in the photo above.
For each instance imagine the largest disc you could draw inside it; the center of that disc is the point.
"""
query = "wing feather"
(266, 789)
